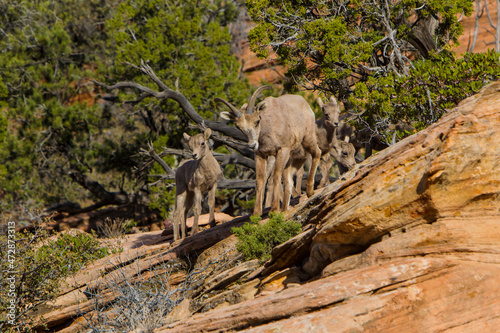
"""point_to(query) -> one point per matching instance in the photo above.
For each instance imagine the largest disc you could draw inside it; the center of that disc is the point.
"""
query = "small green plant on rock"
(256, 241)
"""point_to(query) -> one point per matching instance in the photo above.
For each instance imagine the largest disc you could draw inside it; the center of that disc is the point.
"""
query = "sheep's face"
(198, 144)
(331, 112)
(250, 125)
(344, 153)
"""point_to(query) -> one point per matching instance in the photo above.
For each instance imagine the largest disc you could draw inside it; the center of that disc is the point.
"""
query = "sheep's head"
(331, 112)
(199, 144)
(247, 119)
(343, 152)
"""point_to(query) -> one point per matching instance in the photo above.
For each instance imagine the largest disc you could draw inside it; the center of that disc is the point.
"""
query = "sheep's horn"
(234, 110)
(320, 102)
(251, 103)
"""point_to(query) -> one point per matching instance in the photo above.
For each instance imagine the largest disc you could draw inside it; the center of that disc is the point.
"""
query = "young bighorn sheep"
(192, 179)
(279, 127)
(330, 146)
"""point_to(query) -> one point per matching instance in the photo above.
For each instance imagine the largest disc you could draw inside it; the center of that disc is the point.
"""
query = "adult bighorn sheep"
(192, 179)
(279, 127)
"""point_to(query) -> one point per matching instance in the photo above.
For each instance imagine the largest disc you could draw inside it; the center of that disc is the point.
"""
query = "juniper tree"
(53, 124)
(371, 54)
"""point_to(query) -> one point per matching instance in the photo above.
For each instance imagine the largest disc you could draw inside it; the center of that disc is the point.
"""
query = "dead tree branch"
(168, 93)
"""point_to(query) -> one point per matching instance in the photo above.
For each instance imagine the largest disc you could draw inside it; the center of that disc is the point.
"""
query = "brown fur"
(330, 146)
(192, 179)
(279, 127)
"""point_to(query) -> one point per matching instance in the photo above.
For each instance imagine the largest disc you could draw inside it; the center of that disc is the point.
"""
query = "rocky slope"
(408, 241)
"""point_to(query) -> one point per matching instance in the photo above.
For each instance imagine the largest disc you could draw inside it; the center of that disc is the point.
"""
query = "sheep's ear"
(333, 100)
(207, 133)
(320, 102)
(347, 138)
(227, 115)
(261, 106)
(244, 107)
(186, 136)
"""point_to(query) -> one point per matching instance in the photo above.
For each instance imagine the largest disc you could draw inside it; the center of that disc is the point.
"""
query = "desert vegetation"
(32, 273)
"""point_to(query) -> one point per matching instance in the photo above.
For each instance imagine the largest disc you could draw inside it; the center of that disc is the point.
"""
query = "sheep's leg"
(281, 161)
(288, 184)
(325, 166)
(328, 168)
(260, 171)
(179, 217)
(197, 210)
(211, 204)
(315, 152)
(187, 207)
(297, 189)
(298, 171)
(269, 179)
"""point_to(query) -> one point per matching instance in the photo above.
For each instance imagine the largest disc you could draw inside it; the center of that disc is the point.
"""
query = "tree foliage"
(325, 43)
(433, 87)
(392, 60)
(52, 123)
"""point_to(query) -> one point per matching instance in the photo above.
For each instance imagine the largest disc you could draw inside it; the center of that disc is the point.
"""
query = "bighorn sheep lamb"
(279, 127)
(330, 146)
(326, 133)
(192, 179)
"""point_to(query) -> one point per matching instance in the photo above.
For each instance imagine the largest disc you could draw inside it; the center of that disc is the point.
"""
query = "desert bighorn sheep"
(279, 127)
(192, 179)
(330, 146)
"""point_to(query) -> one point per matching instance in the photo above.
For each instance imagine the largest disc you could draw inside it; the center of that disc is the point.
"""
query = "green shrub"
(32, 268)
(256, 241)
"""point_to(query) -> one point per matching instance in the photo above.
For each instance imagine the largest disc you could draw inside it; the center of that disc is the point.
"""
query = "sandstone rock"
(292, 251)
(448, 170)
(203, 220)
(235, 294)
(280, 280)
(408, 241)
(229, 276)
(424, 219)
(180, 312)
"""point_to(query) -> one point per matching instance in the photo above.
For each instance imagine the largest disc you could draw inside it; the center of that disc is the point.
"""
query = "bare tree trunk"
(479, 14)
(497, 26)
(497, 34)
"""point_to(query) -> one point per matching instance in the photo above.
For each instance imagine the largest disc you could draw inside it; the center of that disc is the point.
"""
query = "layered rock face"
(408, 241)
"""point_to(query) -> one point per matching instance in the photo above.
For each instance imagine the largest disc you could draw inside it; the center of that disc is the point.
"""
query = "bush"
(145, 298)
(256, 241)
(34, 266)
